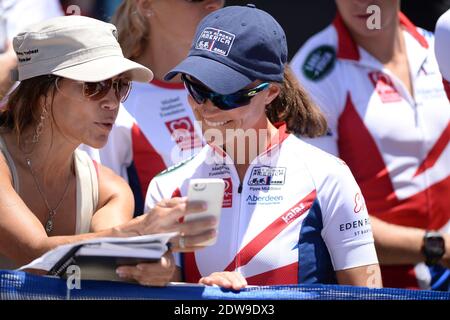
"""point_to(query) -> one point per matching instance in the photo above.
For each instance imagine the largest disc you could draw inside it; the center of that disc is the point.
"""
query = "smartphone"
(3, 35)
(210, 191)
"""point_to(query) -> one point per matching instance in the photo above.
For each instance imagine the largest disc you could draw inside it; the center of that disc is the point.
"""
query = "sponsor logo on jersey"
(360, 204)
(183, 133)
(267, 176)
(295, 212)
(228, 194)
(263, 200)
(359, 227)
(215, 41)
(385, 87)
(319, 63)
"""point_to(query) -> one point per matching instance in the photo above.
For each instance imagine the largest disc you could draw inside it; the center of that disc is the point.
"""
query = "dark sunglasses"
(223, 101)
(97, 90)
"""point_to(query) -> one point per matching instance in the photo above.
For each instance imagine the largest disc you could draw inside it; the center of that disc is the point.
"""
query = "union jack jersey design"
(155, 129)
(396, 144)
(297, 216)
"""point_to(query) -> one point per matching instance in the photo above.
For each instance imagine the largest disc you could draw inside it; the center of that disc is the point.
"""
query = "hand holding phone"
(210, 191)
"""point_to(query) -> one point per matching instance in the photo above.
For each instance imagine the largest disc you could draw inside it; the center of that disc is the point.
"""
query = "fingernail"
(121, 274)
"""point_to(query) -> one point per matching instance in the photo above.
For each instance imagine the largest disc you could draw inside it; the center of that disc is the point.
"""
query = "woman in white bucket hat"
(73, 77)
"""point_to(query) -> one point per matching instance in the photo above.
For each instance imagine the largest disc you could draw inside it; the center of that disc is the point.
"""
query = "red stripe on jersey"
(275, 228)
(359, 150)
(399, 277)
(347, 48)
(279, 138)
(146, 159)
(435, 152)
(167, 85)
(284, 275)
(411, 28)
(447, 88)
(190, 269)
(426, 209)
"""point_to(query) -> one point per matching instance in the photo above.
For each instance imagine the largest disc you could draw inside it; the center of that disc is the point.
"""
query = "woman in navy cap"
(291, 213)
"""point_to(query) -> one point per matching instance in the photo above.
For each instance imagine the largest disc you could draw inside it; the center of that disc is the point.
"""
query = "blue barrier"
(24, 286)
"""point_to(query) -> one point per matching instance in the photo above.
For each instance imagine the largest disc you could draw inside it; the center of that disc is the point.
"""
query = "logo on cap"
(216, 41)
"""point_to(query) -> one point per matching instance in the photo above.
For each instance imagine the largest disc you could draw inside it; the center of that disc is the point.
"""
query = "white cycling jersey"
(155, 129)
(396, 145)
(297, 216)
(442, 48)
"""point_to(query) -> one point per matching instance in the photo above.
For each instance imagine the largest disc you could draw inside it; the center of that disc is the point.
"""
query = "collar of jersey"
(276, 141)
(347, 48)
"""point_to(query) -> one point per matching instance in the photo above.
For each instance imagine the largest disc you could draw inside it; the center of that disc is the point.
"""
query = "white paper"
(49, 259)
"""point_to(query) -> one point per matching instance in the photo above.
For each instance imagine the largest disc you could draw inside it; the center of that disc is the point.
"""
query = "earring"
(40, 125)
(149, 13)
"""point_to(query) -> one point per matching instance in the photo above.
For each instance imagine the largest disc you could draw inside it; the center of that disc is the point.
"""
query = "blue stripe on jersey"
(314, 262)
(440, 278)
(133, 181)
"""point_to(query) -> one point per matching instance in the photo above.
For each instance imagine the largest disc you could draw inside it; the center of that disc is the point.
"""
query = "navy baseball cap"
(233, 47)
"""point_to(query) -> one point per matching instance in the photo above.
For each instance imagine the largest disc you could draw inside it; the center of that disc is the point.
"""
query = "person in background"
(73, 77)
(442, 49)
(155, 127)
(376, 79)
(15, 15)
(286, 204)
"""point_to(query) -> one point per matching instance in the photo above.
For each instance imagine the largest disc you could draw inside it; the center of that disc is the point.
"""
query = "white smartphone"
(210, 191)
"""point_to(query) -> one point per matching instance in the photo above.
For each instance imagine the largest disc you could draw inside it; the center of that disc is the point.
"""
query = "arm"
(23, 237)
(402, 245)
(346, 229)
(116, 202)
(365, 276)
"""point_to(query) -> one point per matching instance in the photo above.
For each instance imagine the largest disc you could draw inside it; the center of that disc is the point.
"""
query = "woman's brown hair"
(23, 108)
(294, 107)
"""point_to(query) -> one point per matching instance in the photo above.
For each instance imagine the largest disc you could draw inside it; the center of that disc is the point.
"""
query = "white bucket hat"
(74, 47)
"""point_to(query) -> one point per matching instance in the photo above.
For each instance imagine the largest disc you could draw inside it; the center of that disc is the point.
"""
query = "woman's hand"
(156, 274)
(229, 280)
(167, 216)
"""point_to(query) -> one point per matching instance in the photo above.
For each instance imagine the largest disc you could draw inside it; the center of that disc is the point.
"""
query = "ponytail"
(294, 107)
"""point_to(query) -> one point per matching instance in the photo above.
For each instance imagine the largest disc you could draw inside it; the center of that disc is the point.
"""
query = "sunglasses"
(95, 91)
(223, 101)
(194, 0)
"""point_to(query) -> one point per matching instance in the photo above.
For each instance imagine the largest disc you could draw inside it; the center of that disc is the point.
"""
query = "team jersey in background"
(155, 128)
(297, 216)
(397, 145)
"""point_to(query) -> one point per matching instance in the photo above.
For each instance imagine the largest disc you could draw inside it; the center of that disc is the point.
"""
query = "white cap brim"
(105, 68)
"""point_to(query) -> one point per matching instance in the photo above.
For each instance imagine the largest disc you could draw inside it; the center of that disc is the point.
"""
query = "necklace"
(51, 212)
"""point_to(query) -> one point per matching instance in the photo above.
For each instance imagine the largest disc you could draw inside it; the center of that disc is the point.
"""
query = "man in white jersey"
(442, 49)
(155, 127)
(291, 213)
(389, 120)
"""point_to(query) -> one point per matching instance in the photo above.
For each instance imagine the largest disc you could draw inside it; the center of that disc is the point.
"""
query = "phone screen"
(3, 35)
